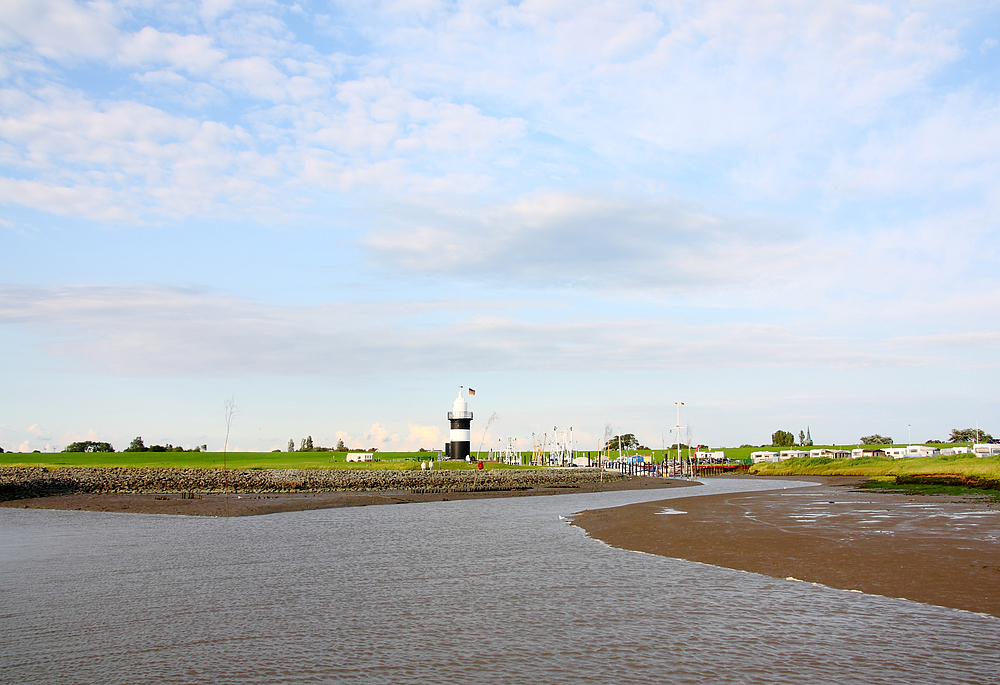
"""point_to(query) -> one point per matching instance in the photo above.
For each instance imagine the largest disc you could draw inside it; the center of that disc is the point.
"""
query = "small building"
(922, 451)
(714, 457)
(582, 461)
(764, 456)
(360, 456)
(988, 449)
(867, 452)
(827, 453)
(793, 454)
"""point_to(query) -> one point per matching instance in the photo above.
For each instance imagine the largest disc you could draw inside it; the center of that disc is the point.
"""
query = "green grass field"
(399, 461)
(959, 464)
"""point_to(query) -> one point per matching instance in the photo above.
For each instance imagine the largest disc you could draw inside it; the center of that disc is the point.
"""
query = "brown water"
(476, 591)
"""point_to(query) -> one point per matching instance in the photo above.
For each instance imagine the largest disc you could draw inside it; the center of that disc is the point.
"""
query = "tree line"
(782, 438)
(136, 445)
(786, 439)
(306, 445)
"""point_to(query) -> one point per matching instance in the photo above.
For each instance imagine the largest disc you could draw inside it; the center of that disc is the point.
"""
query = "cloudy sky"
(784, 214)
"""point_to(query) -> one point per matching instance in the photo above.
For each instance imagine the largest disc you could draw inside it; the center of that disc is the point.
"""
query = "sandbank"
(932, 549)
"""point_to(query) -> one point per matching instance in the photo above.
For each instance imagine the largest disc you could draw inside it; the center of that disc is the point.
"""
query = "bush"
(88, 446)
(876, 439)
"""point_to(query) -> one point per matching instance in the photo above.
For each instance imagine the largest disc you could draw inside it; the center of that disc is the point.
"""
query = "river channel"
(475, 591)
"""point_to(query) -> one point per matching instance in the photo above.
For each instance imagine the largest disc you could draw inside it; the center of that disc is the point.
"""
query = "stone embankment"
(21, 483)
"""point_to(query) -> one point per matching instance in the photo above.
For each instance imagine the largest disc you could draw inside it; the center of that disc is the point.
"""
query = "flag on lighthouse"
(471, 392)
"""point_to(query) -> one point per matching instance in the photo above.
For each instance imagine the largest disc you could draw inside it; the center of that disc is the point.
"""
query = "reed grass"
(959, 464)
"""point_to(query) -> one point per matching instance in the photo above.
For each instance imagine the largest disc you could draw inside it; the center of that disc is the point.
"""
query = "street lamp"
(679, 405)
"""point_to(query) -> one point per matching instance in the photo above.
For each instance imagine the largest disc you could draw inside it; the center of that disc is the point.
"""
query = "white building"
(793, 454)
(867, 452)
(922, 451)
(912, 451)
(719, 456)
(360, 456)
(830, 454)
(765, 456)
(986, 450)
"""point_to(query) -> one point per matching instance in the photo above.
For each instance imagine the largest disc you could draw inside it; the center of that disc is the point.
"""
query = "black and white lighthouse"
(461, 428)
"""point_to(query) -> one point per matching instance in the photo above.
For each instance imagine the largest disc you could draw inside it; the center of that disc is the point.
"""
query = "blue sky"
(783, 214)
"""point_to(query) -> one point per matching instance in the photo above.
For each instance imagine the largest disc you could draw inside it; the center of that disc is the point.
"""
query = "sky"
(783, 214)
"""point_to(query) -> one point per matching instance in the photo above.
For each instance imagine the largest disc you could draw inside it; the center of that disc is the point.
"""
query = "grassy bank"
(950, 486)
(393, 461)
(959, 464)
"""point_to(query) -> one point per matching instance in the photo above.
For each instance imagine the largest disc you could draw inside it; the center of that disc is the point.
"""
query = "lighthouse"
(461, 428)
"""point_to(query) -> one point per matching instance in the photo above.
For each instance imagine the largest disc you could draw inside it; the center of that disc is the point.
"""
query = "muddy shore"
(255, 503)
(931, 549)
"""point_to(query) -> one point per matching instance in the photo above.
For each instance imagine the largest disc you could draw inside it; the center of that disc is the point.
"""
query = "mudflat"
(249, 504)
(932, 549)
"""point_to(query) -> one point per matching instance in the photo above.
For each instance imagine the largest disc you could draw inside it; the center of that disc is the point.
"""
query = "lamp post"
(679, 405)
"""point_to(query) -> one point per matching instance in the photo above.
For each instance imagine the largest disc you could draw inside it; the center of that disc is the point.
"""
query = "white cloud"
(386, 440)
(597, 241)
(379, 115)
(257, 77)
(428, 437)
(168, 332)
(76, 201)
(59, 28)
(955, 148)
(194, 53)
(170, 84)
(120, 160)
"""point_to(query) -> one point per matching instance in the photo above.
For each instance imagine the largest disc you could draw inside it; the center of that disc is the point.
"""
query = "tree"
(623, 442)
(137, 446)
(802, 438)
(291, 444)
(969, 435)
(309, 444)
(782, 439)
(876, 439)
(89, 446)
(341, 447)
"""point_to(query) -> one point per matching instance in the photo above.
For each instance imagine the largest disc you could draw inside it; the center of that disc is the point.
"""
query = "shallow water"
(480, 591)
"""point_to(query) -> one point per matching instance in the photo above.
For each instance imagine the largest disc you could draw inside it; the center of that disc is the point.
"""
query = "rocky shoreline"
(18, 483)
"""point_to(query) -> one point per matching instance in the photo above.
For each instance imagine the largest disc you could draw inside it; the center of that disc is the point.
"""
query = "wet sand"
(271, 503)
(931, 549)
